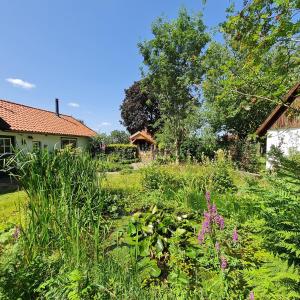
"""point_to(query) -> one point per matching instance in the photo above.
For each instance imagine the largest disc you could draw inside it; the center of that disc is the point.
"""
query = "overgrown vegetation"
(205, 229)
(155, 233)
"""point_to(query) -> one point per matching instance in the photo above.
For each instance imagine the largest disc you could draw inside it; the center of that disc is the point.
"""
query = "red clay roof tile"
(22, 118)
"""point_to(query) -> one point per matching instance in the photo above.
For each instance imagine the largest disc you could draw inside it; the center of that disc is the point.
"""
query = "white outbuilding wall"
(48, 141)
(287, 140)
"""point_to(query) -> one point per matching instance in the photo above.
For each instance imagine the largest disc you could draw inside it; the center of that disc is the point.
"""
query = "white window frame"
(9, 148)
(72, 141)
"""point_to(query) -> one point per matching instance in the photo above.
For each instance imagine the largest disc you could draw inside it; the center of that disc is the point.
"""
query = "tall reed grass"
(64, 211)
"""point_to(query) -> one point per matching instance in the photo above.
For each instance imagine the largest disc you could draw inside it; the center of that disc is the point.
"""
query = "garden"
(205, 219)
(189, 231)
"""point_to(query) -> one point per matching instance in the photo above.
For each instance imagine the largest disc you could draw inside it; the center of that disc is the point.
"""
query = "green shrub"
(194, 148)
(120, 152)
(163, 160)
(108, 166)
(155, 178)
(221, 179)
(245, 155)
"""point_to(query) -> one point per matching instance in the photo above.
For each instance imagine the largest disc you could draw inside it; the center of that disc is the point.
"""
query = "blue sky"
(82, 52)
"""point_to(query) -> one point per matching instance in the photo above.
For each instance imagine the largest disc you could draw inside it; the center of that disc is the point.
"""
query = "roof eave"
(279, 110)
(49, 133)
(4, 125)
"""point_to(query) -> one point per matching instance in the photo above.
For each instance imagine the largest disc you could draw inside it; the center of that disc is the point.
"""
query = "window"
(5, 145)
(68, 142)
(36, 146)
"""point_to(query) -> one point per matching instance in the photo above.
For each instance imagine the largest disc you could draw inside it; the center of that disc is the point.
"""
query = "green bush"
(155, 178)
(120, 152)
(245, 155)
(194, 148)
(108, 166)
(221, 178)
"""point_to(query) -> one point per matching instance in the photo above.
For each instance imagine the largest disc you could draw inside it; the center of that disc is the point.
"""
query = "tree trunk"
(177, 151)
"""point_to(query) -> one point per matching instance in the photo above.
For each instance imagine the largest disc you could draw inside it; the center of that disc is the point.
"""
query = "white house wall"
(287, 140)
(51, 142)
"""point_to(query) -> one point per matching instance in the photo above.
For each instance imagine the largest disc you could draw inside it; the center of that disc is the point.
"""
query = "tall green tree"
(115, 137)
(262, 25)
(173, 60)
(119, 137)
(258, 63)
(239, 96)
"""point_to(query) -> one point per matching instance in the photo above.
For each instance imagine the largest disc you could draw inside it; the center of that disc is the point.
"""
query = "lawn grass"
(126, 183)
(11, 205)
(132, 182)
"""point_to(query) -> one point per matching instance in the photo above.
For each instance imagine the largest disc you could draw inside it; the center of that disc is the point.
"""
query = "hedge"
(122, 151)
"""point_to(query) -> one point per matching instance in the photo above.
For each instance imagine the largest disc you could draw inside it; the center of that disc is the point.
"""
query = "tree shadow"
(8, 185)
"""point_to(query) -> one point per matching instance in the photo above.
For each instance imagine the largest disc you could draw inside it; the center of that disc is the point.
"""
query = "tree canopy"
(173, 60)
(115, 137)
(139, 109)
(249, 73)
(262, 25)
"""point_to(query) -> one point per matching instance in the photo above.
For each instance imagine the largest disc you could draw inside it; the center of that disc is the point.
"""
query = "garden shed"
(145, 143)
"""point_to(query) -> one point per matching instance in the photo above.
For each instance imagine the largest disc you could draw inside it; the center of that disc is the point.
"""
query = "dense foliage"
(173, 63)
(115, 137)
(248, 75)
(263, 25)
(139, 109)
(226, 88)
(83, 238)
(122, 151)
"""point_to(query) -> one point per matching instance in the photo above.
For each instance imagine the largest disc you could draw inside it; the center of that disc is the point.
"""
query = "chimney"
(57, 107)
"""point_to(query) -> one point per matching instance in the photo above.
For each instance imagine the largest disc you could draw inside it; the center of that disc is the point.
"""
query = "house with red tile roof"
(22, 126)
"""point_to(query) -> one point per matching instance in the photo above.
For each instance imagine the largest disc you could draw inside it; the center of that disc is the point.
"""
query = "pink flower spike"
(223, 263)
(214, 209)
(217, 246)
(251, 295)
(220, 221)
(235, 236)
(200, 238)
(207, 196)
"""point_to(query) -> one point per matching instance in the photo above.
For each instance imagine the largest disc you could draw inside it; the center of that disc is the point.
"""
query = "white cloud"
(73, 104)
(105, 124)
(20, 83)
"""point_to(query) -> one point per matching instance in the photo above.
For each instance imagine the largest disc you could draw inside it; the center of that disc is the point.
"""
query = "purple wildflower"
(223, 263)
(213, 209)
(251, 295)
(220, 221)
(207, 196)
(206, 215)
(210, 217)
(206, 224)
(235, 236)
(200, 237)
(17, 233)
(221, 224)
(217, 246)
